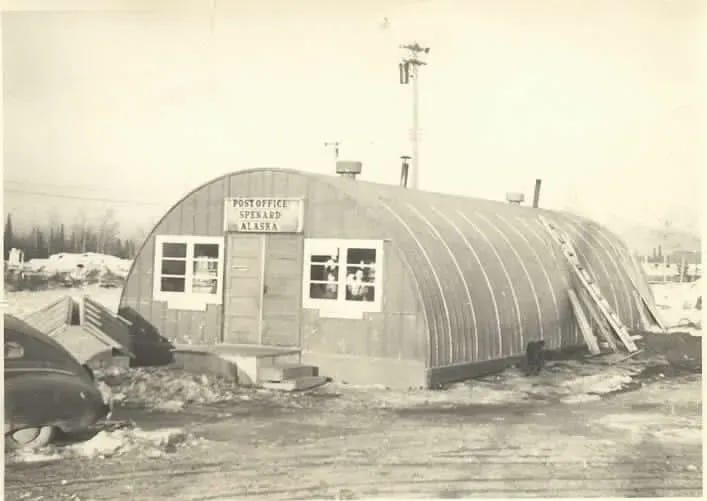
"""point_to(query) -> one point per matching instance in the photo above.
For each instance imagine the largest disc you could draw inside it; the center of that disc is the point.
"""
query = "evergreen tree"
(61, 239)
(41, 244)
(8, 237)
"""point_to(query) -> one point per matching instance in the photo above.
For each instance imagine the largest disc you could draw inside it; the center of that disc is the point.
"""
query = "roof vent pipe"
(404, 172)
(536, 196)
(348, 169)
(515, 198)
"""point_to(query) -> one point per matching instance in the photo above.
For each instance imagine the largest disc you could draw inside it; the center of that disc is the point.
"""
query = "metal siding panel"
(448, 281)
(172, 323)
(524, 282)
(212, 203)
(298, 185)
(279, 184)
(256, 186)
(187, 216)
(181, 325)
(488, 319)
(544, 285)
(235, 184)
(464, 328)
(399, 337)
(267, 184)
(430, 288)
(412, 347)
(507, 344)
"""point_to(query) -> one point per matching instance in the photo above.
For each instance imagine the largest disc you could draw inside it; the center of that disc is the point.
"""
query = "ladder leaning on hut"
(585, 294)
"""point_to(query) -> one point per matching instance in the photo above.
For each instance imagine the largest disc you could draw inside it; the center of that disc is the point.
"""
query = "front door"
(282, 290)
(262, 289)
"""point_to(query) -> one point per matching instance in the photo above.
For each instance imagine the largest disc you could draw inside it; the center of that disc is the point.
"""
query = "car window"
(13, 350)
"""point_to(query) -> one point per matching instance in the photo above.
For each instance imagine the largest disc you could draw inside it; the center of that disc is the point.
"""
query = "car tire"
(30, 438)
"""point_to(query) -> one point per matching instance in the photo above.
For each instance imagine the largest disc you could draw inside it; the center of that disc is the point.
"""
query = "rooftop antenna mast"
(409, 69)
(335, 147)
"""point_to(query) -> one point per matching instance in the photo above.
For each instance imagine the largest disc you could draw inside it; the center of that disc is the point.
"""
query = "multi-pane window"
(188, 268)
(343, 274)
(205, 269)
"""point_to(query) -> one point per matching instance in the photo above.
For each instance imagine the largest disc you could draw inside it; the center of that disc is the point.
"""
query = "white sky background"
(600, 99)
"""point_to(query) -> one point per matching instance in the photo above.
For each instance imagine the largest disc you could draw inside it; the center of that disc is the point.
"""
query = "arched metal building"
(371, 283)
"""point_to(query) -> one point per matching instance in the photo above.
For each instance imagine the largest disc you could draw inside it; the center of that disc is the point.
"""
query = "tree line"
(82, 236)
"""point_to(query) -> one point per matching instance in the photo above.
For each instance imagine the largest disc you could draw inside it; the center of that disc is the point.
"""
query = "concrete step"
(205, 363)
(284, 371)
(299, 384)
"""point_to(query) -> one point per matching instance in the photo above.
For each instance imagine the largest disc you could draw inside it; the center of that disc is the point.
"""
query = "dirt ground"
(336, 442)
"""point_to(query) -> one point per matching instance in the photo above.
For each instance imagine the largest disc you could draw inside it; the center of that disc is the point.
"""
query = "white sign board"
(263, 215)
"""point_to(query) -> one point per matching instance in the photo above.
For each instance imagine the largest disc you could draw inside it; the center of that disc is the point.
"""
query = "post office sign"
(263, 215)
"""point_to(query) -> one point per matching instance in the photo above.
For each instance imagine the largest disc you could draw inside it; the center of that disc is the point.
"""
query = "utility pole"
(409, 69)
(335, 145)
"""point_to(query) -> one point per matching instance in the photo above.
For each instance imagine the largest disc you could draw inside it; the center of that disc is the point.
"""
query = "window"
(343, 276)
(188, 271)
(13, 350)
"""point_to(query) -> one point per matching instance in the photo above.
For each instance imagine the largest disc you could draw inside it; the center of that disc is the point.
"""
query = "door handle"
(265, 289)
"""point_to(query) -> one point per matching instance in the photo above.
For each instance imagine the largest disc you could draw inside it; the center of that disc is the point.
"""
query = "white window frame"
(341, 307)
(187, 300)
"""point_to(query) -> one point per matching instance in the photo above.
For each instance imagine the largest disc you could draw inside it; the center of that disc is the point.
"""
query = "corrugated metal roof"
(491, 277)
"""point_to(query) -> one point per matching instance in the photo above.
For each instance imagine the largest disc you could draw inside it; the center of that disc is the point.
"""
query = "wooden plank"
(52, 316)
(301, 383)
(604, 330)
(649, 306)
(645, 323)
(285, 372)
(583, 324)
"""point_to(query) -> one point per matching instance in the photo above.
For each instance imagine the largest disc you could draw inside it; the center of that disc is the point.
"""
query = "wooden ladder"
(594, 300)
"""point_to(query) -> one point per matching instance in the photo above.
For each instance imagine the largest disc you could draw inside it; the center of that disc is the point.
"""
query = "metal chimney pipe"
(536, 196)
(404, 171)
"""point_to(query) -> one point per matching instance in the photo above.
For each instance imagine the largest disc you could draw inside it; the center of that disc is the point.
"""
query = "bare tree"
(107, 231)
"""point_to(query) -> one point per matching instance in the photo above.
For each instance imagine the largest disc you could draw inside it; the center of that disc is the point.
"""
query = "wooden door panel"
(283, 289)
(243, 293)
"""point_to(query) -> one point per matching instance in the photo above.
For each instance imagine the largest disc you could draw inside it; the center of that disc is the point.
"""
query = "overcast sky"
(600, 99)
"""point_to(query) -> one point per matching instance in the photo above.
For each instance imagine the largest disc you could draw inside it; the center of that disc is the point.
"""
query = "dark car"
(46, 388)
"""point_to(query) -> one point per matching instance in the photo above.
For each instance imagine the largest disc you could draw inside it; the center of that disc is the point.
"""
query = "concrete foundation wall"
(401, 374)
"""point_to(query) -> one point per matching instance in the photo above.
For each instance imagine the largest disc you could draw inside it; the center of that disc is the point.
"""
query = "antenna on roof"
(335, 145)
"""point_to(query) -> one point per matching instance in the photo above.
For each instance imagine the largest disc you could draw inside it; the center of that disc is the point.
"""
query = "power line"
(92, 199)
(53, 185)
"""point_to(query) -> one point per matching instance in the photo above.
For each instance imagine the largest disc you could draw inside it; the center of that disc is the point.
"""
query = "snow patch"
(90, 262)
(28, 456)
(677, 305)
(103, 444)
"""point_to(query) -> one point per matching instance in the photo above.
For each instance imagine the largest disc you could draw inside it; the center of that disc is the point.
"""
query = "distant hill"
(643, 239)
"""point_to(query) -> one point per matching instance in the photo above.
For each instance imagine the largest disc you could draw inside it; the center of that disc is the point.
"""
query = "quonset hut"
(371, 283)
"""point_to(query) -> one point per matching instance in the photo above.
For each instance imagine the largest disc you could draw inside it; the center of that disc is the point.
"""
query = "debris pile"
(167, 389)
